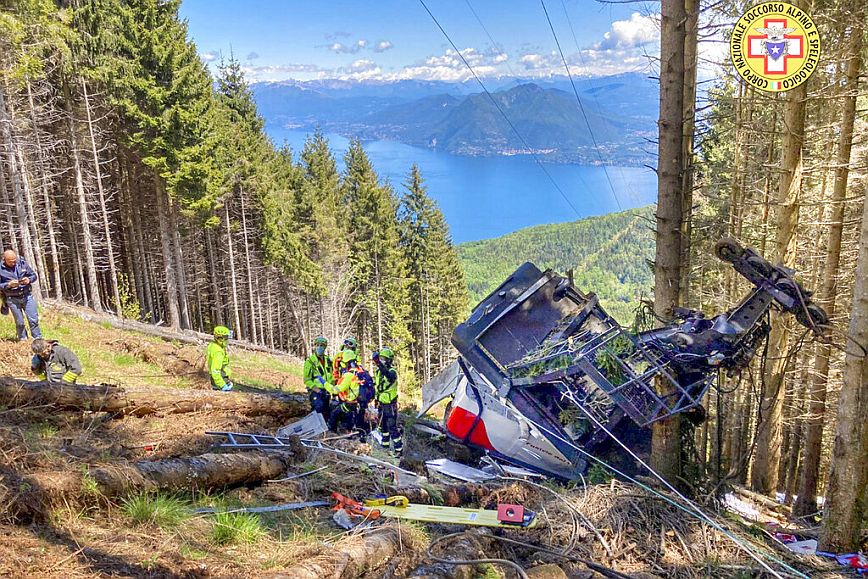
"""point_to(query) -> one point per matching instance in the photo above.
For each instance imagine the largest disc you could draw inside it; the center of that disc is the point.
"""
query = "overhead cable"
(501, 111)
(581, 107)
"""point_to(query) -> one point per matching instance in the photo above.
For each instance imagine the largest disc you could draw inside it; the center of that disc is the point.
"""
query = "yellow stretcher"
(506, 516)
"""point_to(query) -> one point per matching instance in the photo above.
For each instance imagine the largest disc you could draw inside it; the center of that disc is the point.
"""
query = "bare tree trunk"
(169, 266)
(181, 275)
(83, 214)
(232, 275)
(46, 201)
(15, 171)
(689, 124)
(113, 271)
(809, 476)
(846, 495)
(251, 302)
(666, 434)
(764, 470)
(143, 401)
(217, 305)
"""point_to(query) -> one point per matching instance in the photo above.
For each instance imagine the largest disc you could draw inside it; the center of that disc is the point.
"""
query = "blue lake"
(484, 197)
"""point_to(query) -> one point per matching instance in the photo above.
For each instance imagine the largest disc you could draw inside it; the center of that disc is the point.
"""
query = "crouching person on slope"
(318, 378)
(386, 387)
(217, 360)
(54, 363)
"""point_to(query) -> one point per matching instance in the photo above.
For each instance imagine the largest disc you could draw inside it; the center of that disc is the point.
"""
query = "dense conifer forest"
(136, 183)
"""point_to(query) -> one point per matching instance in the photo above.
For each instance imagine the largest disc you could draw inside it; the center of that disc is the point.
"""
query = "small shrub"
(89, 486)
(235, 528)
(160, 510)
(46, 430)
(598, 475)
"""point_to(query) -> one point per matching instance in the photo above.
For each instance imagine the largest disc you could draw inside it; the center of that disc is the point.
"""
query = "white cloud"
(278, 71)
(341, 48)
(209, 56)
(500, 57)
(639, 30)
(252, 56)
(382, 46)
(533, 61)
(363, 64)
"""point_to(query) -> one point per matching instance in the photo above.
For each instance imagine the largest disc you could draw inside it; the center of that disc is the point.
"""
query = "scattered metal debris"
(267, 509)
(311, 425)
(458, 471)
(403, 478)
(298, 476)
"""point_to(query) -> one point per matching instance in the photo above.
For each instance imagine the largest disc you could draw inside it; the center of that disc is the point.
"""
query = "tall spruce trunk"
(168, 255)
(806, 503)
(181, 275)
(233, 277)
(107, 233)
(19, 200)
(251, 300)
(687, 175)
(666, 434)
(95, 301)
(847, 494)
(46, 201)
(764, 470)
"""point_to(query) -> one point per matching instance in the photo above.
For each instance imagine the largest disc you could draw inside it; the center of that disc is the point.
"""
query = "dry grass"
(84, 535)
(113, 356)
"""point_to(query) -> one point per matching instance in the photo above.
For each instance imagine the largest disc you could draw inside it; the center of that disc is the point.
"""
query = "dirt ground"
(87, 535)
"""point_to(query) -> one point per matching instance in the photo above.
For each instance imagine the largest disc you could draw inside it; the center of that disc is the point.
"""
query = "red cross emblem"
(775, 45)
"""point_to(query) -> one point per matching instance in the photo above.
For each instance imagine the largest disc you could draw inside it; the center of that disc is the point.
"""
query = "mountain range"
(542, 117)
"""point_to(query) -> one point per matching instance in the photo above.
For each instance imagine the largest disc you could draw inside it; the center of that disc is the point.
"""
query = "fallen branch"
(183, 336)
(350, 558)
(141, 401)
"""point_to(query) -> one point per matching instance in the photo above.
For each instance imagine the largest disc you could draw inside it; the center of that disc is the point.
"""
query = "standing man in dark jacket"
(16, 285)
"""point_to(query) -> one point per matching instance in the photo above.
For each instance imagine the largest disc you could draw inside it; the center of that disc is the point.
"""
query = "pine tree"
(437, 290)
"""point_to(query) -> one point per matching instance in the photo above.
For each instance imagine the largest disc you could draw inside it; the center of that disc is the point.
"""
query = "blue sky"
(397, 39)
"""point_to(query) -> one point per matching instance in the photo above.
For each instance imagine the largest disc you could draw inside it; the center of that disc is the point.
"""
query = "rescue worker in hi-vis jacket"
(386, 397)
(318, 378)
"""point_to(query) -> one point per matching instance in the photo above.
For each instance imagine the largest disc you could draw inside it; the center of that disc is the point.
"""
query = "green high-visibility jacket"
(217, 361)
(316, 367)
(386, 384)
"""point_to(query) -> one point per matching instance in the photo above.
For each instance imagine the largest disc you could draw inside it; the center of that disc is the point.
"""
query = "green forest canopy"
(609, 254)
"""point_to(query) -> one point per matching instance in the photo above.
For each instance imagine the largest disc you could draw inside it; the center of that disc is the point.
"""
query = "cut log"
(352, 557)
(760, 499)
(141, 401)
(183, 336)
(33, 494)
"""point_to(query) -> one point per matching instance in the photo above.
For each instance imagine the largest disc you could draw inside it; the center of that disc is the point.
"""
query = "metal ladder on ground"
(247, 440)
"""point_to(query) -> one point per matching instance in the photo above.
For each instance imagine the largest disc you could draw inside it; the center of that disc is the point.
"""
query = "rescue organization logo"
(775, 46)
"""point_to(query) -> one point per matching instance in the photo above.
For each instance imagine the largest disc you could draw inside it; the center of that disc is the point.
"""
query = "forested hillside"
(135, 182)
(609, 255)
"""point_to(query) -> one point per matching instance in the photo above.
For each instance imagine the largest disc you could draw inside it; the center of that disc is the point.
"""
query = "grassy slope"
(121, 357)
(608, 253)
